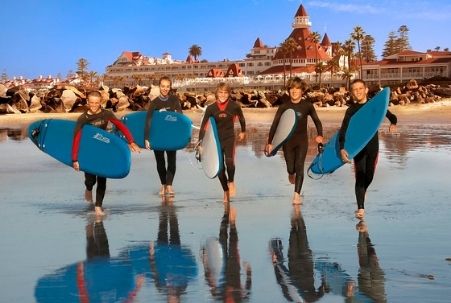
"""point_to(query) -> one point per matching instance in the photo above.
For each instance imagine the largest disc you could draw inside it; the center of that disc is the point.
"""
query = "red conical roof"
(301, 12)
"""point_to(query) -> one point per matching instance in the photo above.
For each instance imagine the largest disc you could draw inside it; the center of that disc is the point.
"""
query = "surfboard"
(168, 130)
(101, 153)
(211, 156)
(214, 259)
(287, 124)
(363, 125)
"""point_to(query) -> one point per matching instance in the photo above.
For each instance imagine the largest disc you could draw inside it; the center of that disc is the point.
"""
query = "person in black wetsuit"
(169, 102)
(98, 117)
(295, 148)
(365, 161)
(225, 111)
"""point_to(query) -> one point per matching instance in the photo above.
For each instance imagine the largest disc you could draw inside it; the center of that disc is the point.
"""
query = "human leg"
(170, 172)
(161, 169)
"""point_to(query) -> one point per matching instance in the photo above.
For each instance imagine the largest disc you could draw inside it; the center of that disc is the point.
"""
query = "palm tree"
(348, 48)
(347, 75)
(316, 37)
(283, 51)
(358, 34)
(333, 65)
(291, 46)
(92, 75)
(195, 51)
(82, 67)
(319, 69)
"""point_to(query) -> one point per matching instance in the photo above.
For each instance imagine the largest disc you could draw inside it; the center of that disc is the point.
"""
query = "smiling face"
(94, 103)
(222, 94)
(359, 92)
(295, 94)
(165, 87)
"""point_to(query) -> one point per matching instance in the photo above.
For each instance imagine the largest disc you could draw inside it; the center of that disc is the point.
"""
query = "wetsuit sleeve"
(204, 123)
(392, 117)
(316, 120)
(275, 123)
(121, 126)
(177, 105)
(148, 120)
(241, 118)
(77, 138)
(344, 128)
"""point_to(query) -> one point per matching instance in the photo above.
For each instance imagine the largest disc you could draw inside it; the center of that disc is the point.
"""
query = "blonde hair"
(297, 82)
(222, 86)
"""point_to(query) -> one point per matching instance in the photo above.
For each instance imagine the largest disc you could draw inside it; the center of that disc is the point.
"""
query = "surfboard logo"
(170, 118)
(101, 138)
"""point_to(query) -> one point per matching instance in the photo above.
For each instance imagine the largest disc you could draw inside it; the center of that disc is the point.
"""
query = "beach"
(186, 248)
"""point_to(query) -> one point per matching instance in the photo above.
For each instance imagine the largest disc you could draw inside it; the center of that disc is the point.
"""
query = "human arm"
(203, 124)
(272, 130)
(76, 143)
(147, 123)
(242, 123)
(318, 125)
(342, 134)
(128, 136)
(393, 121)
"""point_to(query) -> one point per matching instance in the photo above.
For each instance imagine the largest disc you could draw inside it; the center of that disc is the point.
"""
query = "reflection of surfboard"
(168, 130)
(211, 157)
(362, 127)
(101, 153)
(215, 259)
(285, 128)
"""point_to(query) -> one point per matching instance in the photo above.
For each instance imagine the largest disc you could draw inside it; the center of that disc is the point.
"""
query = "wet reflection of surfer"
(168, 263)
(99, 278)
(221, 260)
(295, 148)
(225, 112)
(365, 161)
(371, 277)
(297, 281)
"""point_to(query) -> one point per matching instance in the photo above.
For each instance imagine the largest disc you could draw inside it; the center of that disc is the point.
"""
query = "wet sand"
(50, 237)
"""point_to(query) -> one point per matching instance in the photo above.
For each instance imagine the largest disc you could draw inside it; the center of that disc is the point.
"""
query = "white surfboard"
(211, 157)
(287, 124)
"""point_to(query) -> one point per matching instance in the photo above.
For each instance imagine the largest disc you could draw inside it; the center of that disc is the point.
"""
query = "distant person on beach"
(225, 111)
(164, 102)
(98, 117)
(295, 149)
(365, 161)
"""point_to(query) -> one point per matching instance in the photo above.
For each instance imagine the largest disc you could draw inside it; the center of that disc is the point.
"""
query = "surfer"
(365, 161)
(164, 102)
(295, 148)
(225, 112)
(98, 117)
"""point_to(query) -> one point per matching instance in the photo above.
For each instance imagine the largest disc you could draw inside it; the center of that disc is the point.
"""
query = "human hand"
(268, 149)
(344, 156)
(147, 144)
(134, 147)
(76, 165)
(241, 136)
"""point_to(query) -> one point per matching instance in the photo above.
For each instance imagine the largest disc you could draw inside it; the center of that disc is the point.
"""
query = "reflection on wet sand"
(221, 260)
(99, 278)
(168, 263)
(298, 280)
(371, 277)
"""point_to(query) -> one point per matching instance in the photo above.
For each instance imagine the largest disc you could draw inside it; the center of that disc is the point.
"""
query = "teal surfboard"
(285, 128)
(168, 130)
(101, 153)
(211, 156)
(362, 127)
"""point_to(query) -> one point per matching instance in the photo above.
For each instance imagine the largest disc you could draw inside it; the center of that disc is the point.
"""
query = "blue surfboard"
(168, 130)
(363, 125)
(101, 153)
(287, 124)
(211, 156)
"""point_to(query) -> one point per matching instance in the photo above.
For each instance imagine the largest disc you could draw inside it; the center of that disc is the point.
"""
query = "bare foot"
(99, 211)
(361, 227)
(162, 190)
(360, 213)
(297, 199)
(232, 189)
(292, 178)
(88, 196)
(226, 197)
(170, 191)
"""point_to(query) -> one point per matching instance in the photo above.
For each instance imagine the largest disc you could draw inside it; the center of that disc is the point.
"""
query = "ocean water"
(151, 250)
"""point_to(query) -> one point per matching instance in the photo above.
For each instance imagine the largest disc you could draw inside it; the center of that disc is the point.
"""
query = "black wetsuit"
(365, 161)
(172, 103)
(99, 120)
(295, 149)
(225, 115)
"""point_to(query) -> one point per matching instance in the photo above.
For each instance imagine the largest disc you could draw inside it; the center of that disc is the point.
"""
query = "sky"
(48, 37)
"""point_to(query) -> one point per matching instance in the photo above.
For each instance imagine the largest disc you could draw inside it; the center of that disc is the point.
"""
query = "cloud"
(349, 8)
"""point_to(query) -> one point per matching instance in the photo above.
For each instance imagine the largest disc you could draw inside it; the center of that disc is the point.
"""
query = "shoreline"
(431, 113)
